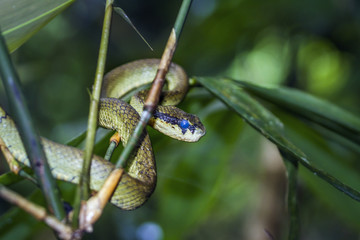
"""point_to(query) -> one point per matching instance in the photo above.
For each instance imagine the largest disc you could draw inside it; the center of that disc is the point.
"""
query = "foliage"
(22, 18)
(211, 189)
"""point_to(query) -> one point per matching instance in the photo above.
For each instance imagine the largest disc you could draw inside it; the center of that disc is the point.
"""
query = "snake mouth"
(192, 136)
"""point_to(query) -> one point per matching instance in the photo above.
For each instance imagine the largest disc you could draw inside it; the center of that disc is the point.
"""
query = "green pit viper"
(138, 182)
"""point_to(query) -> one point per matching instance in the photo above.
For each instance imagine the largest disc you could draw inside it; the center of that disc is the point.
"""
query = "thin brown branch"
(65, 232)
(154, 94)
(92, 210)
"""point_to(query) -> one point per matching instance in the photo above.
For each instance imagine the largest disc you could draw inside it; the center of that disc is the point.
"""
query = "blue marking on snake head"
(184, 125)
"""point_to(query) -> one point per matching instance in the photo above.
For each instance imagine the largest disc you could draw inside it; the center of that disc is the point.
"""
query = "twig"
(28, 134)
(114, 142)
(83, 188)
(65, 232)
(92, 210)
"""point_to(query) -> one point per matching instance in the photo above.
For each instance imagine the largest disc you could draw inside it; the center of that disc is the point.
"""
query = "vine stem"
(82, 193)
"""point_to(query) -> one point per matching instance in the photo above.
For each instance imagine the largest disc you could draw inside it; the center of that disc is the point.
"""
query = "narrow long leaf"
(292, 170)
(74, 142)
(308, 106)
(323, 153)
(267, 124)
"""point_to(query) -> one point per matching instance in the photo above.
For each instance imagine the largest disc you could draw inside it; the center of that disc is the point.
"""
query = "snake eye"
(184, 124)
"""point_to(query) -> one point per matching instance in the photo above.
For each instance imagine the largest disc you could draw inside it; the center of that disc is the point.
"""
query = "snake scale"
(139, 180)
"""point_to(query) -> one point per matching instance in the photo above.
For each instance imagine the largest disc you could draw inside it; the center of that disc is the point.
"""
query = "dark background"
(223, 186)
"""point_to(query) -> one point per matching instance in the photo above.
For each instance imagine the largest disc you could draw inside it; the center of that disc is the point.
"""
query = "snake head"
(178, 124)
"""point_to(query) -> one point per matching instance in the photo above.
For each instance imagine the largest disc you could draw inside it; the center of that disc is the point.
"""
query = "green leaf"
(292, 172)
(74, 142)
(9, 178)
(267, 124)
(310, 107)
(340, 162)
(251, 111)
(20, 19)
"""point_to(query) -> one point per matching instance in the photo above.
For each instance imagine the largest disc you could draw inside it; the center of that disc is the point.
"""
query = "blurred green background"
(231, 184)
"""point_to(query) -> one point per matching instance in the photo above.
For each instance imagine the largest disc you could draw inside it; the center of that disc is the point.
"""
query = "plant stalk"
(97, 203)
(82, 193)
(29, 136)
(292, 170)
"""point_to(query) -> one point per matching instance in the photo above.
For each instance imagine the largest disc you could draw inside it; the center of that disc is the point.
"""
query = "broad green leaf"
(310, 107)
(20, 19)
(267, 124)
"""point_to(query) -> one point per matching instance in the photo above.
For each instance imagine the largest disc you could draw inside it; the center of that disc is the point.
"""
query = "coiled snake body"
(137, 184)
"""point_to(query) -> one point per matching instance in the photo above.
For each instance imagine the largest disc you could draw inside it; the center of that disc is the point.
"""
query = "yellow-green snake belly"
(139, 180)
